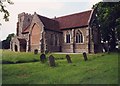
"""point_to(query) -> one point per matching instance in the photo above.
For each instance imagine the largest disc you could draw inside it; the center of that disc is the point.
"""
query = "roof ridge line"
(73, 14)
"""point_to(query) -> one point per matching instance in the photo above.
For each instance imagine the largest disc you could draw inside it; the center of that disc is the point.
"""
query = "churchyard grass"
(99, 69)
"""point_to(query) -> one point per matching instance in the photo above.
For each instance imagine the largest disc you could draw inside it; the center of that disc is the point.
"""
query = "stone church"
(72, 33)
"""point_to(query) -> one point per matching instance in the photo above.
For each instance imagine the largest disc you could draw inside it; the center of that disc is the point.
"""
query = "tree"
(10, 36)
(3, 10)
(6, 43)
(108, 17)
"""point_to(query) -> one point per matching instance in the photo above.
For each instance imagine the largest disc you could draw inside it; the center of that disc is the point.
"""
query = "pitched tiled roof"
(64, 22)
(49, 23)
(74, 20)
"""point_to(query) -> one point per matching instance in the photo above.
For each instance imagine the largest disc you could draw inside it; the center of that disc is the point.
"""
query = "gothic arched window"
(67, 37)
(79, 37)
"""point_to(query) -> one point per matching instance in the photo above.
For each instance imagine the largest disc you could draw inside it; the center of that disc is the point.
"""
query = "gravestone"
(51, 61)
(68, 59)
(85, 56)
(42, 58)
(46, 52)
(35, 51)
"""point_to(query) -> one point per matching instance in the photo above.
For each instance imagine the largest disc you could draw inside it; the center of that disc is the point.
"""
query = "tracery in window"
(79, 37)
(67, 37)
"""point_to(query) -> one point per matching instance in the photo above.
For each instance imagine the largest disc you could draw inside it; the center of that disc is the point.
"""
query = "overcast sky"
(48, 8)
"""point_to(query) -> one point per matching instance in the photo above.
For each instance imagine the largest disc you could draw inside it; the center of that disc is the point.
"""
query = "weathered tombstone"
(46, 52)
(51, 61)
(35, 51)
(85, 56)
(68, 59)
(42, 58)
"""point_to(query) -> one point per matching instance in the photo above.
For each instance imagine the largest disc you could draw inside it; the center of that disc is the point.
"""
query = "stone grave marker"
(51, 61)
(42, 58)
(85, 56)
(35, 51)
(68, 59)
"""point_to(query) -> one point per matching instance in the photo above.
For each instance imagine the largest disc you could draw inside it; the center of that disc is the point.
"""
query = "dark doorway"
(23, 47)
(23, 44)
(16, 48)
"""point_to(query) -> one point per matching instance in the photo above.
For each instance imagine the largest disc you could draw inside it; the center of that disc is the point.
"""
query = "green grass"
(99, 69)
(17, 57)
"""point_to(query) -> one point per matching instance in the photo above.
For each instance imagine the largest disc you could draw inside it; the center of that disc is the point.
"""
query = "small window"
(67, 38)
(79, 37)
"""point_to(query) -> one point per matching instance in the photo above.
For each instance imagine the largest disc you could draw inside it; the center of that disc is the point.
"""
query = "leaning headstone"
(35, 51)
(68, 59)
(51, 61)
(85, 56)
(42, 58)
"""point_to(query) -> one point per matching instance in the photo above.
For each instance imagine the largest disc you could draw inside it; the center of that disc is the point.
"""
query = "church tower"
(24, 20)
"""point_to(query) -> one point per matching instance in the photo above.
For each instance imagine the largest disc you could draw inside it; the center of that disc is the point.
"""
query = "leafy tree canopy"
(10, 36)
(6, 43)
(108, 18)
(3, 9)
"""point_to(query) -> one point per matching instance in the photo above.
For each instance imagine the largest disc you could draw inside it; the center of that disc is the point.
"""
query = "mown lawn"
(25, 68)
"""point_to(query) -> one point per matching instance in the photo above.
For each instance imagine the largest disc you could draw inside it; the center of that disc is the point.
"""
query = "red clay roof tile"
(49, 23)
(64, 22)
(74, 20)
